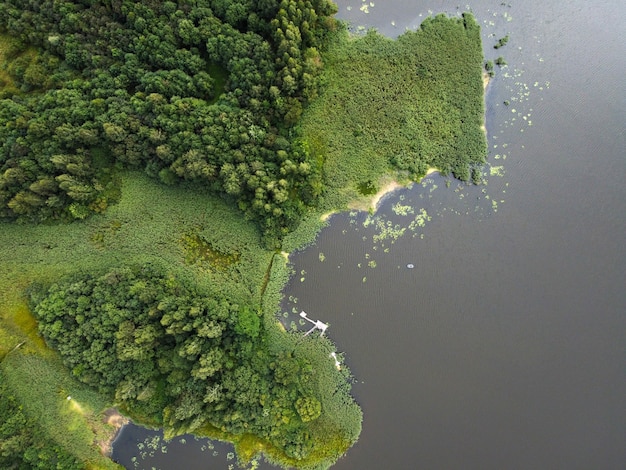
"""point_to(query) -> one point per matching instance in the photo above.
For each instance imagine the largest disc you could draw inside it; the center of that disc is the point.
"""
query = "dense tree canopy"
(187, 359)
(202, 91)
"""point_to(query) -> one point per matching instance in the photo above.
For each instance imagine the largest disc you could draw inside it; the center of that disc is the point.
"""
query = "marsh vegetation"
(155, 159)
(398, 107)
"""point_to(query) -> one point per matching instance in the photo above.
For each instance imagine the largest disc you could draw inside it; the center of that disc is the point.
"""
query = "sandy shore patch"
(384, 191)
(113, 418)
(486, 80)
(387, 187)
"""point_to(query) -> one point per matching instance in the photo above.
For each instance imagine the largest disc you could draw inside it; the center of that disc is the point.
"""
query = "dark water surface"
(504, 346)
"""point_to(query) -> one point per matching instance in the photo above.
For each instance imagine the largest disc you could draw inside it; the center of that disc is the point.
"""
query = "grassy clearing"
(398, 107)
(42, 387)
(7, 45)
(148, 225)
(12, 52)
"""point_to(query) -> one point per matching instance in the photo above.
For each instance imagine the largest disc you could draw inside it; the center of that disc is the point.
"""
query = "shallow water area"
(138, 448)
(503, 346)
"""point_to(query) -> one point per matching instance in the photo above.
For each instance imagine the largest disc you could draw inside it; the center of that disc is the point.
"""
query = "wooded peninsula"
(157, 161)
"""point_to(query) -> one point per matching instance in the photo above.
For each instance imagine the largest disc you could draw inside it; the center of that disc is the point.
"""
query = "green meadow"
(398, 107)
(152, 223)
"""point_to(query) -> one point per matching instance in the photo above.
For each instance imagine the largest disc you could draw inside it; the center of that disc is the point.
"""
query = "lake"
(503, 345)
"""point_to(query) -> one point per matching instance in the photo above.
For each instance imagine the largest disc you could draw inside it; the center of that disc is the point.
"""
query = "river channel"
(484, 325)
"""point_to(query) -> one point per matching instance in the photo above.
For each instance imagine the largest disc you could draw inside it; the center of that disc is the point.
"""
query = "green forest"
(157, 161)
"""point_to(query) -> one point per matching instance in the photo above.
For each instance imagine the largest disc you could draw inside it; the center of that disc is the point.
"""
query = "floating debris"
(410, 266)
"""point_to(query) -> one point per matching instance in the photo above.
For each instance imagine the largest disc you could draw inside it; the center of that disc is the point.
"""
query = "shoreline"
(113, 418)
(486, 80)
(372, 203)
(389, 186)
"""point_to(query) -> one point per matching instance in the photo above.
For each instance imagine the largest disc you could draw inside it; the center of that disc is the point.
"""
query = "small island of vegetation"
(156, 159)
